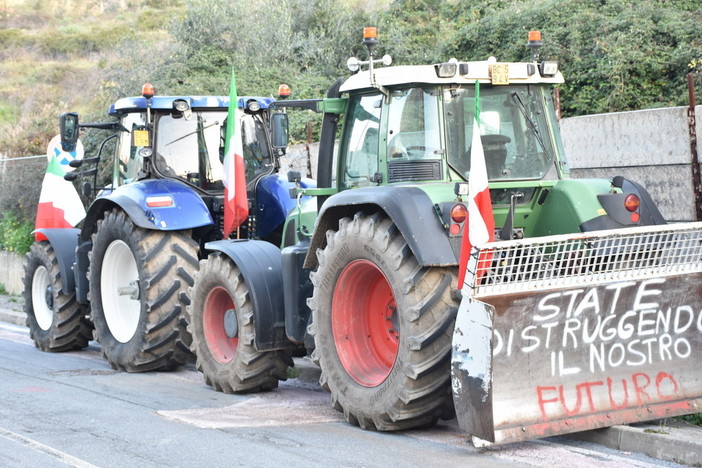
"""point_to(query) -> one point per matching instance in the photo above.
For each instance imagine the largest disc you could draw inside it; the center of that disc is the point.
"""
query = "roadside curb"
(667, 439)
(14, 317)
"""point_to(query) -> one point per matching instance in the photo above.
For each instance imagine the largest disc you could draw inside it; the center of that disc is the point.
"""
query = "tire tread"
(421, 386)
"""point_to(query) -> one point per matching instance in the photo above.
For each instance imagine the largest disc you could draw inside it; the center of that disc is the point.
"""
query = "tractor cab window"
(129, 162)
(188, 148)
(361, 137)
(514, 130)
(257, 155)
(413, 125)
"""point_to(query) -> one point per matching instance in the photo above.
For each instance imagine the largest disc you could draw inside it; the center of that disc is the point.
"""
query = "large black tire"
(138, 293)
(221, 321)
(382, 327)
(56, 321)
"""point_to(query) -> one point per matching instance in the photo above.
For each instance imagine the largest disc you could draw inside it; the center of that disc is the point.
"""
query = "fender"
(297, 289)
(273, 202)
(186, 211)
(260, 265)
(410, 208)
(64, 242)
(617, 216)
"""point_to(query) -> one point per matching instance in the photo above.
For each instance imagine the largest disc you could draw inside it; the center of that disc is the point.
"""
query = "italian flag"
(481, 224)
(60, 205)
(236, 204)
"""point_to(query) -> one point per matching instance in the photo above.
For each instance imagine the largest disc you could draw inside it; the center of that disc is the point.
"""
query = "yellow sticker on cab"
(141, 137)
(499, 73)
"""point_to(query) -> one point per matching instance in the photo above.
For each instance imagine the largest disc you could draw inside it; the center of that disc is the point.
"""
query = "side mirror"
(86, 189)
(68, 122)
(279, 130)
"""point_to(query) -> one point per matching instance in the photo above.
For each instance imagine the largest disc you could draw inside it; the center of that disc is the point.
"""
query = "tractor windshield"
(192, 149)
(514, 126)
(189, 148)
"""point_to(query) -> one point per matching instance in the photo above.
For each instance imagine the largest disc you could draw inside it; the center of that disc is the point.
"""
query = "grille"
(400, 171)
(562, 261)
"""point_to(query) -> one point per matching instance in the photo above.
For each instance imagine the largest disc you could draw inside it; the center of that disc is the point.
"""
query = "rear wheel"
(221, 320)
(56, 321)
(138, 293)
(382, 327)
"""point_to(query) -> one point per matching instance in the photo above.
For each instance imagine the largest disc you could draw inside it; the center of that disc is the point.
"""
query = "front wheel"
(56, 321)
(382, 326)
(138, 293)
(221, 320)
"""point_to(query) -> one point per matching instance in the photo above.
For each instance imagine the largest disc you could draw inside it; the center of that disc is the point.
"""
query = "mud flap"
(550, 360)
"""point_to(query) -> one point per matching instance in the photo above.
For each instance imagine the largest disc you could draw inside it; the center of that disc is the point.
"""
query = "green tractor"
(367, 278)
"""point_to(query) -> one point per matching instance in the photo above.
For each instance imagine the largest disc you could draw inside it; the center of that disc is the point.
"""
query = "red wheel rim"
(364, 323)
(222, 347)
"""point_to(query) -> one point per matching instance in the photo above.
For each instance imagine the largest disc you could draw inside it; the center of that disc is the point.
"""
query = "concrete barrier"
(11, 271)
(302, 158)
(651, 147)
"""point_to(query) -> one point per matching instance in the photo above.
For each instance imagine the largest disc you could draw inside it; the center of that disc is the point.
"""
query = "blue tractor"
(125, 272)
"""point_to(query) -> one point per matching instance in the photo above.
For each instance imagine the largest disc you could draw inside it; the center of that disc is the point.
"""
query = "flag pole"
(481, 224)
(236, 205)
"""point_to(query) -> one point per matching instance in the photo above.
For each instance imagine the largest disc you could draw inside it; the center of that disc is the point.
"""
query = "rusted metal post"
(309, 153)
(691, 123)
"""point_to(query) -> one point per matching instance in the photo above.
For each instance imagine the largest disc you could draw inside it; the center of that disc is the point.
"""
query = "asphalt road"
(71, 409)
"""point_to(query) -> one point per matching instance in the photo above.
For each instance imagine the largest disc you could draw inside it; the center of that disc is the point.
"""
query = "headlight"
(549, 68)
(353, 64)
(181, 105)
(446, 69)
(253, 106)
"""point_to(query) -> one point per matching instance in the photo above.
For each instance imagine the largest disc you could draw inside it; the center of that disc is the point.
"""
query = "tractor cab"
(176, 144)
(181, 138)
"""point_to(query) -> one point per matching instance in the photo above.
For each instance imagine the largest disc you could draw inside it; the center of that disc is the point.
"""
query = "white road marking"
(39, 447)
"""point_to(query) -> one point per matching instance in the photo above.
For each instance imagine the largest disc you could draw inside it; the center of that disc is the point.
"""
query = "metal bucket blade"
(573, 359)
(471, 368)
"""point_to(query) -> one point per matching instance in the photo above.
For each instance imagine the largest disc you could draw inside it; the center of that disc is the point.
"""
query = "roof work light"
(148, 90)
(283, 91)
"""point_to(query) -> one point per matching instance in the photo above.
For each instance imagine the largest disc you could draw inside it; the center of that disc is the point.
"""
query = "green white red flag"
(236, 204)
(481, 224)
(60, 205)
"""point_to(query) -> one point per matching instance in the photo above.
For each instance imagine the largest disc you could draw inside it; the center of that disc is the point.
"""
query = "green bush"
(616, 55)
(74, 42)
(10, 37)
(15, 233)
(695, 419)
(8, 112)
